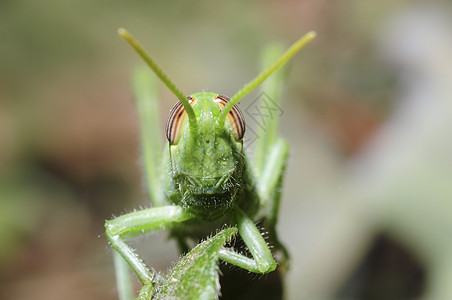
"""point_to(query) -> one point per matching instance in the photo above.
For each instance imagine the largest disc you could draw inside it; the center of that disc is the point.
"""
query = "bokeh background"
(367, 203)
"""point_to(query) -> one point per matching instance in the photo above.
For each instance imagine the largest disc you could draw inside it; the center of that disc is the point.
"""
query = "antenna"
(267, 72)
(163, 77)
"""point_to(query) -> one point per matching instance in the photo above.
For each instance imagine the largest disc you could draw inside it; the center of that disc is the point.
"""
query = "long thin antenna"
(163, 77)
(267, 72)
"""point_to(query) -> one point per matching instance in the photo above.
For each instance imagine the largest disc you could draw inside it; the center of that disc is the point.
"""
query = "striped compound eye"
(235, 116)
(176, 117)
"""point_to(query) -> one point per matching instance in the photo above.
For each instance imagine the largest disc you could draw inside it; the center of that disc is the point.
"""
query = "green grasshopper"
(206, 180)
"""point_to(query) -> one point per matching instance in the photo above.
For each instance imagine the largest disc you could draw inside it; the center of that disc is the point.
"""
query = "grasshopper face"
(207, 160)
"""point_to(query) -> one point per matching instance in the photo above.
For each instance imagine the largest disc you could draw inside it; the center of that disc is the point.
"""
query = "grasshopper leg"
(123, 279)
(273, 171)
(269, 188)
(262, 261)
(139, 223)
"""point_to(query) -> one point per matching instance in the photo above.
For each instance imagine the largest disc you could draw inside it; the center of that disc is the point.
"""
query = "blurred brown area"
(367, 111)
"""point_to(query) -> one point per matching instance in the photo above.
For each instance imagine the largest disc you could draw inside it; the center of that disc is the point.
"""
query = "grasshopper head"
(206, 150)
(206, 160)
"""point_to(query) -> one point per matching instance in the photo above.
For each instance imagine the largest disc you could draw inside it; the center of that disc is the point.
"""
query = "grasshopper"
(206, 180)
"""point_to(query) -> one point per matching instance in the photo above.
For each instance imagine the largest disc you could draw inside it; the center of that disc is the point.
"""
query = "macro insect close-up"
(206, 180)
(214, 152)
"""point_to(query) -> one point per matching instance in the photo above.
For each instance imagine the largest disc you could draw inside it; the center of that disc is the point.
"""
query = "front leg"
(262, 261)
(139, 223)
(269, 188)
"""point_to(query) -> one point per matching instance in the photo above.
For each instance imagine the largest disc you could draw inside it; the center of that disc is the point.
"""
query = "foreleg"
(139, 223)
(262, 261)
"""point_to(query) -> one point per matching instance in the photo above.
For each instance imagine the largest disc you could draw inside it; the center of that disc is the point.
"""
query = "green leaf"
(196, 276)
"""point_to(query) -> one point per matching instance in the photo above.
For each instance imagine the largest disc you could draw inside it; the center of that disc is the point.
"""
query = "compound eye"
(175, 120)
(235, 117)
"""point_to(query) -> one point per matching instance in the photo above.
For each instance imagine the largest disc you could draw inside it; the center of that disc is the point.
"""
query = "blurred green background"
(367, 202)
